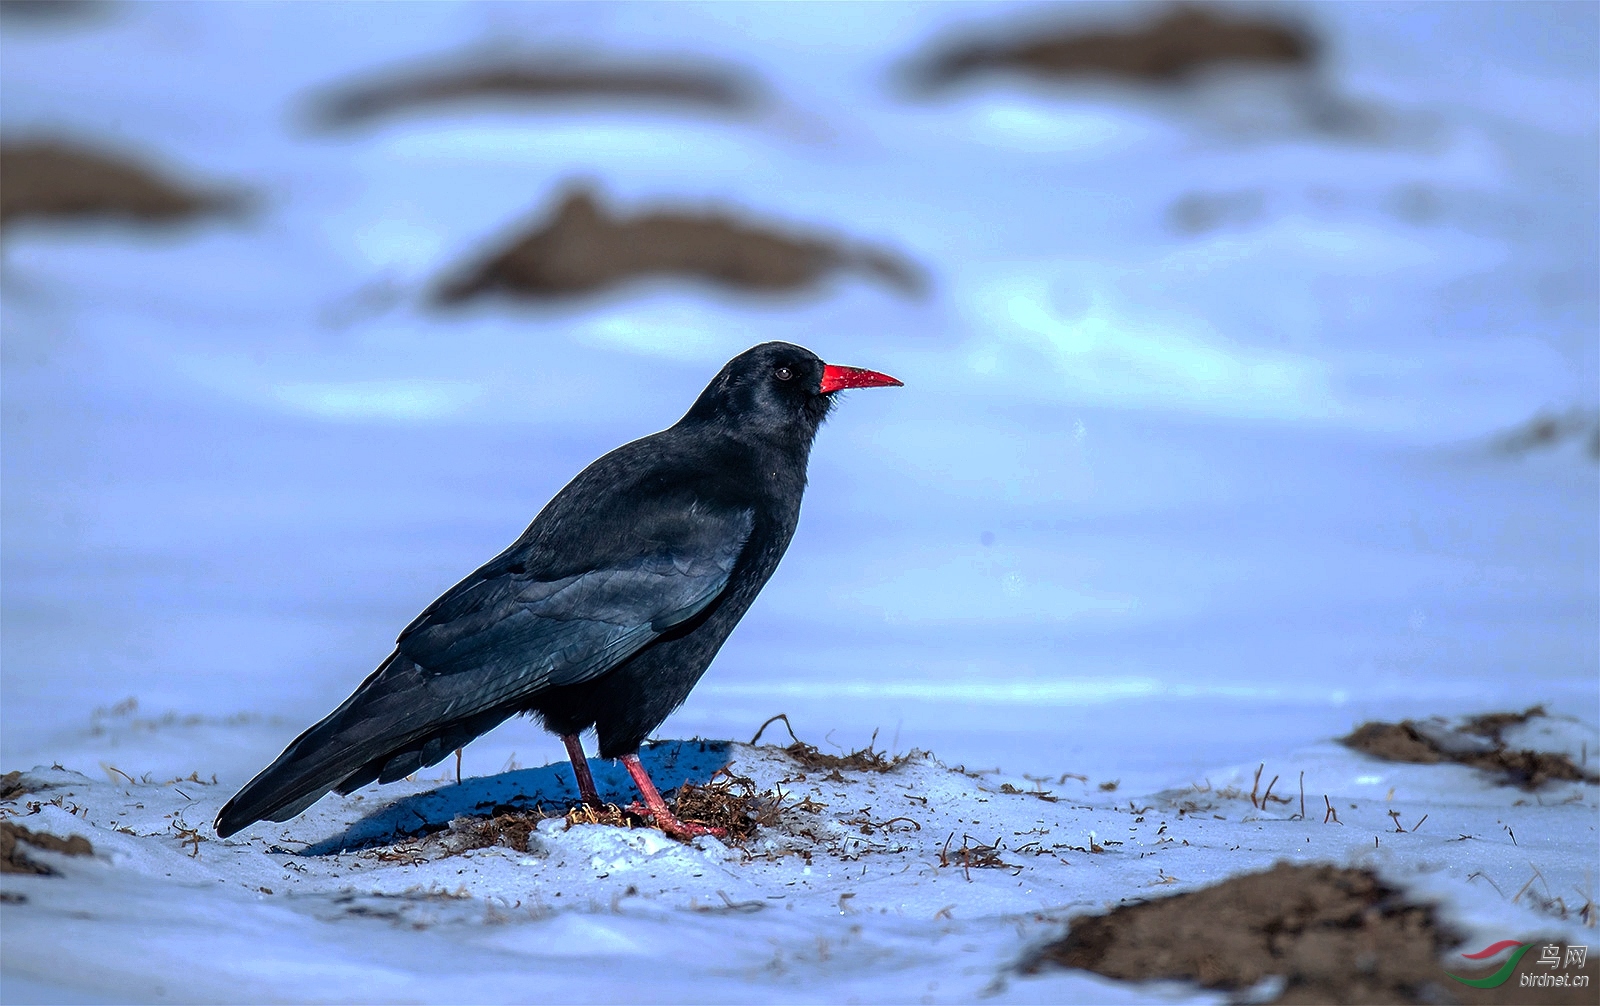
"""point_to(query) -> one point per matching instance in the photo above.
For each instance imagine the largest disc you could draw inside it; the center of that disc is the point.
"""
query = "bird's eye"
(782, 373)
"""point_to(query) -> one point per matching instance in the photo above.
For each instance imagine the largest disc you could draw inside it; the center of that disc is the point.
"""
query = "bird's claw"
(684, 831)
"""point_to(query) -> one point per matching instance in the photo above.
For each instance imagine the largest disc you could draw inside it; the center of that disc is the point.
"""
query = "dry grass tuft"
(867, 759)
(512, 829)
(975, 856)
(728, 803)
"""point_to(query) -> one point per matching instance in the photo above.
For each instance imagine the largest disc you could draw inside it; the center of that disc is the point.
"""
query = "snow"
(1153, 506)
(857, 891)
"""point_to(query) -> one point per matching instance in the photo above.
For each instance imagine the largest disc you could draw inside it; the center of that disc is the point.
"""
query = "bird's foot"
(683, 831)
(655, 809)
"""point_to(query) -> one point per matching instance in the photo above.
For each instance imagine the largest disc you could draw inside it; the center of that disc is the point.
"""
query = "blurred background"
(1250, 356)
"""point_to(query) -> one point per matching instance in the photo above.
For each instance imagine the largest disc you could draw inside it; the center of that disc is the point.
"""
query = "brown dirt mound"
(534, 79)
(1477, 743)
(56, 180)
(582, 249)
(1549, 430)
(1331, 935)
(52, 13)
(14, 836)
(1165, 50)
(13, 785)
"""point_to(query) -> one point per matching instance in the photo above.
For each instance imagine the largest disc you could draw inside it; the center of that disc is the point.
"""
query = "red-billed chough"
(604, 613)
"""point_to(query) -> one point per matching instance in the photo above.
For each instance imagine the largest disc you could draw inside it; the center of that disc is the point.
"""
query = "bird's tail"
(368, 738)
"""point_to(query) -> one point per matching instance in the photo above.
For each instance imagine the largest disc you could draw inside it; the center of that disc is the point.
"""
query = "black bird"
(604, 613)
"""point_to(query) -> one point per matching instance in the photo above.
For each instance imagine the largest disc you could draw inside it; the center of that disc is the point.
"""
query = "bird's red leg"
(656, 808)
(580, 769)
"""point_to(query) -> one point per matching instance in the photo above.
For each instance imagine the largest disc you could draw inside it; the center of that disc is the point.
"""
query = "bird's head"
(778, 390)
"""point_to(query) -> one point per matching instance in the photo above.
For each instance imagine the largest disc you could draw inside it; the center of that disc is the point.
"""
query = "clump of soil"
(583, 249)
(42, 13)
(1478, 743)
(1166, 50)
(534, 79)
(14, 836)
(13, 785)
(1331, 935)
(56, 180)
(1545, 431)
(867, 759)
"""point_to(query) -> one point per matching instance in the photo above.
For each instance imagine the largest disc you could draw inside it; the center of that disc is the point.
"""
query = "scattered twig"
(1268, 794)
(112, 768)
(1524, 889)
(1587, 912)
(781, 716)
(979, 856)
(189, 836)
(1331, 815)
(1479, 873)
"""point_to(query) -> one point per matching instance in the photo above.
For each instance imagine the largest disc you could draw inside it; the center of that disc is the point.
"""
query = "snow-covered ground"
(857, 892)
(1154, 505)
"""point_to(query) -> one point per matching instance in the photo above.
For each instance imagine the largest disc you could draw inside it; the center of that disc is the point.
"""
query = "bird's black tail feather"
(366, 739)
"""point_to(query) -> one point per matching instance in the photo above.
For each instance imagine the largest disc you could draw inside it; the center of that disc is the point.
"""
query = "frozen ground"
(857, 893)
(1152, 503)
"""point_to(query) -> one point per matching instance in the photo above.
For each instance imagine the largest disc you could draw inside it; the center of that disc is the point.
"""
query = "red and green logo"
(1501, 976)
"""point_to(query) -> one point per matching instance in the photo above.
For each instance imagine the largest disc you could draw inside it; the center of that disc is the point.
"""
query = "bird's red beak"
(838, 378)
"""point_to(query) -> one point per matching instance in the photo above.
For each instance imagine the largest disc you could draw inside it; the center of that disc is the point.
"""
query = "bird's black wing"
(515, 632)
(530, 619)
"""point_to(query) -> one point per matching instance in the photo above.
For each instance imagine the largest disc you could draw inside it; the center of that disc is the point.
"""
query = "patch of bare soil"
(583, 249)
(1543, 432)
(14, 836)
(534, 79)
(12, 784)
(57, 180)
(1165, 50)
(867, 759)
(52, 13)
(1327, 934)
(1478, 743)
